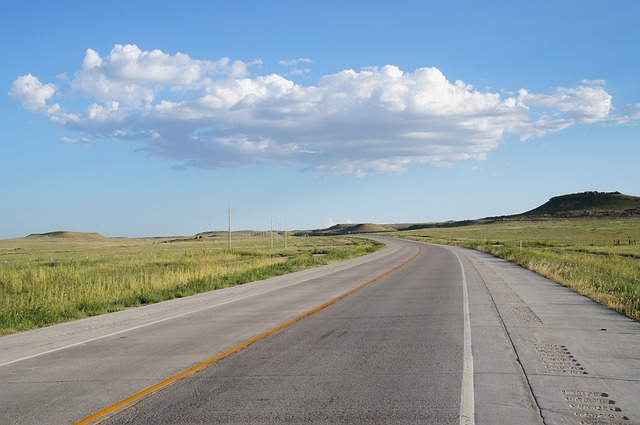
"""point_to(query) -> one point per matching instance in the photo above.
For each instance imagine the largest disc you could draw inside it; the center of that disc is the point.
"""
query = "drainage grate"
(557, 359)
(594, 408)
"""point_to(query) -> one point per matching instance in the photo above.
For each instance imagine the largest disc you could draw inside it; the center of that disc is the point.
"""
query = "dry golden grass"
(45, 280)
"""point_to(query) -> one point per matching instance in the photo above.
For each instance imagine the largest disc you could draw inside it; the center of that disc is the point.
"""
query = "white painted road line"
(467, 408)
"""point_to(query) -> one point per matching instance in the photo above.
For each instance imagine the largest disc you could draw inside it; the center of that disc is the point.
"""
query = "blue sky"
(150, 118)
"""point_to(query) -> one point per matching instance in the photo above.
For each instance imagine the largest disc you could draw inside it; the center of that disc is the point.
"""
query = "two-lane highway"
(389, 353)
(432, 335)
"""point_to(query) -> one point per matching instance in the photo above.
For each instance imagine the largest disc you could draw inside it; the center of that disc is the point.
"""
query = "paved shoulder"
(579, 360)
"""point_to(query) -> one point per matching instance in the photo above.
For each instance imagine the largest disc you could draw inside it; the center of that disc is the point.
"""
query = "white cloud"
(593, 82)
(584, 104)
(135, 77)
(91, 60)
(32, 93)
(207, 114)
(633, 114)
(299, 71)
(295, 62)
(77, 141)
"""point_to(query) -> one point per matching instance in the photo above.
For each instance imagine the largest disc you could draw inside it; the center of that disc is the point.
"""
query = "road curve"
(408, 347)
(64, 373)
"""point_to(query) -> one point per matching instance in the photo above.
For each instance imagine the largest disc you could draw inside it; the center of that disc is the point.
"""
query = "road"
(430, 334)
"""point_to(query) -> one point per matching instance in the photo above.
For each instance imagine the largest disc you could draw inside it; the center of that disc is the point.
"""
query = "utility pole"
(229, 235)
(271, 233)
(285, 234)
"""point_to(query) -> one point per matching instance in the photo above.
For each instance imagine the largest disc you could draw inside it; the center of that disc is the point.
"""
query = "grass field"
(591, 256)
(51, 279)
(46, 280)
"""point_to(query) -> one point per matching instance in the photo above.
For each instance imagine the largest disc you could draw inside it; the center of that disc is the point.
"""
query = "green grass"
(581, 254)
(50, 280)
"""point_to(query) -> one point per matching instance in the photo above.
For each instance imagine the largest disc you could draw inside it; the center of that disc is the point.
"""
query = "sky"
(152, 118)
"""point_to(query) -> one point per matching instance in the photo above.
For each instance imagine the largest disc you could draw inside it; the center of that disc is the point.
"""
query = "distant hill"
(587, 204)
(224, 233)
(575, 205)
(347, 229)
(66, 235)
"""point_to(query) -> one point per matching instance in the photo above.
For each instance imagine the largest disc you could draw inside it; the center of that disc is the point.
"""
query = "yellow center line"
(138, 396)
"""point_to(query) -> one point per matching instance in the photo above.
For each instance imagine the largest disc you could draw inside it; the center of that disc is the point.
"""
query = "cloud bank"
(209, 114)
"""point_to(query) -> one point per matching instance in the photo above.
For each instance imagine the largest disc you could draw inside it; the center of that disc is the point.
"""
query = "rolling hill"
(587, 204)
(66, 235)
(575, 205)
(347, 229)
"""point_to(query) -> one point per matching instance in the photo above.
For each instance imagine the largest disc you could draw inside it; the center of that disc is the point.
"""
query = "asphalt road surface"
(416, 333)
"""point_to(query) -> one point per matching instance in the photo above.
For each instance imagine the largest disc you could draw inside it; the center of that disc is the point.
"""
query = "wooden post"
(229, 235)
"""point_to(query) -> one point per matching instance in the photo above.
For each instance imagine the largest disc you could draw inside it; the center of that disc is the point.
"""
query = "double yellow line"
(129, 401)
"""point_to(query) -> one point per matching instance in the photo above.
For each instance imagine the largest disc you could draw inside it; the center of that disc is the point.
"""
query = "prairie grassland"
(581, 254)
(49, 280)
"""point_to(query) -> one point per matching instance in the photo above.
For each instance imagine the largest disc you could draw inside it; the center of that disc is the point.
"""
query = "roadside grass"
(581, 254)
(50, 280)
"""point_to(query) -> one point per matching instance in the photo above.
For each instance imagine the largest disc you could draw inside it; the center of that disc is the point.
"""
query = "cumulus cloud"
(32, 93)
(208, 114)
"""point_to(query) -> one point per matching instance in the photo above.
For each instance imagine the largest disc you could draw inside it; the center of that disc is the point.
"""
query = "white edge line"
(467, 403)
(86, 341)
